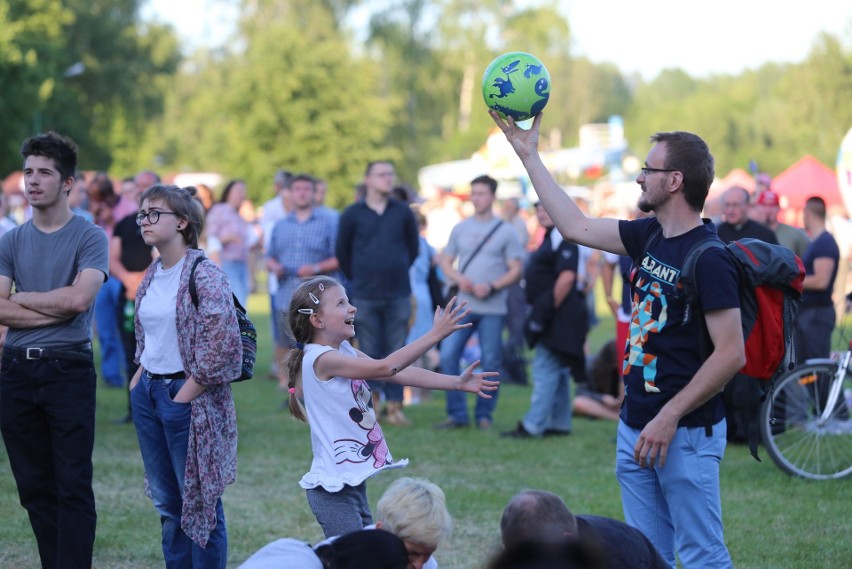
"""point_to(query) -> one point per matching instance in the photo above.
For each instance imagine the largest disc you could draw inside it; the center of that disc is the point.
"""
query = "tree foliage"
(90, 69)
(292, 96)
(299, 87)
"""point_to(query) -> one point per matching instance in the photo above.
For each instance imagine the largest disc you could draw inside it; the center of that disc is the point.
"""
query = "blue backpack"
(248, 332)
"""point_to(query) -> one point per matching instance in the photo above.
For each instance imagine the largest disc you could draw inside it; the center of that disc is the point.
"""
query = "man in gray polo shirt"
(489, 257)
(57, 263)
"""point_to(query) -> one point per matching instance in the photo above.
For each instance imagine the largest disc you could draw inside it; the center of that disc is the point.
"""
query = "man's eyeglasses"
(646, 171)
(153, 216)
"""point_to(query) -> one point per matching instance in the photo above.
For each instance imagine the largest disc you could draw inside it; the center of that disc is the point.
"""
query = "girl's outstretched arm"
(468, 381)
(446, 321)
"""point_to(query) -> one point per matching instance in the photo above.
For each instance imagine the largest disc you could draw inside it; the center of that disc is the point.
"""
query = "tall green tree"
(289, 94)
(87, 68)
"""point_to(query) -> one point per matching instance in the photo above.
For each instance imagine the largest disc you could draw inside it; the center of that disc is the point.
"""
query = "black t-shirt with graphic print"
(663, 352)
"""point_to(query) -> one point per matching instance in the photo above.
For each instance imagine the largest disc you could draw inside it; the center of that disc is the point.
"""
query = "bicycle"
(805, 421)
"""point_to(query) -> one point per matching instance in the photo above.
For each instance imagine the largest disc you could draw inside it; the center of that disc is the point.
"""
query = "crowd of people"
(420, 288)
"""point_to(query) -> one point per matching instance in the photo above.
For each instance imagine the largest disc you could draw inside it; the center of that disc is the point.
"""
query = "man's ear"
(379, 524)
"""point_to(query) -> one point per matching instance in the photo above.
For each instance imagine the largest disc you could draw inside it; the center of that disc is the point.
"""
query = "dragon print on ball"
(517, 85)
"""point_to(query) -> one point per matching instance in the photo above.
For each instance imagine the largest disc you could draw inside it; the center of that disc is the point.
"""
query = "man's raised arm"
(571, 222)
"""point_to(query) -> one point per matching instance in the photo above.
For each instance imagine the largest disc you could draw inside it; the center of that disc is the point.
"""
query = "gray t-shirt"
(490, 262)
(41, 262)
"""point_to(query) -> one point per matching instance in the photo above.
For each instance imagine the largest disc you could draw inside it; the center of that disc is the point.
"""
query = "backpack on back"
(770, 289)
(248, 332)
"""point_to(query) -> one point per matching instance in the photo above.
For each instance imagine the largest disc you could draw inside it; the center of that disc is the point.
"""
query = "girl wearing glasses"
(180, 395)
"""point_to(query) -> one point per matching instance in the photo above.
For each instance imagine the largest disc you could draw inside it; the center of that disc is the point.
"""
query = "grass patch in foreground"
(771, 520)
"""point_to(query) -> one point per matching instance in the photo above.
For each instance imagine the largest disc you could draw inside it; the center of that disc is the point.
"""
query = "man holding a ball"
(671, 433)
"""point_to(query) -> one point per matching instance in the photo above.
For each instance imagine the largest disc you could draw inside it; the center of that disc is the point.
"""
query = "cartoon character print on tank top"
(363, 414)
(655, 282)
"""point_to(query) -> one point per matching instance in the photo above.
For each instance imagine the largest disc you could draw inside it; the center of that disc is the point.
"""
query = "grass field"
(771, 520)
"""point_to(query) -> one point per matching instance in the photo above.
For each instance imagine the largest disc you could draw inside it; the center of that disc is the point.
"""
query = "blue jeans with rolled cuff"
(162, 427)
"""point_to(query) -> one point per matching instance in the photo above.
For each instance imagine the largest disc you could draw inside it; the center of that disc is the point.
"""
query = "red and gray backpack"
(770, 290)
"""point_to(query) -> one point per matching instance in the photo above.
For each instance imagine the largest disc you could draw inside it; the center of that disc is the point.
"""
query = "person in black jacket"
(377, 242)
(737, 224)
(557, 328)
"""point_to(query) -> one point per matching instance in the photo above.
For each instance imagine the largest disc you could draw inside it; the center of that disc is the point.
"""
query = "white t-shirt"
(159, 322)
(347, 441)
(283, 553)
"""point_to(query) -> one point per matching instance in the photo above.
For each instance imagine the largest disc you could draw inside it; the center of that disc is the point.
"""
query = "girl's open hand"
(477, 382)
(447, 319)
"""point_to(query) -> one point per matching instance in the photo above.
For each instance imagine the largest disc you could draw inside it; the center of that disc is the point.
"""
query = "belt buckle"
(35, 353)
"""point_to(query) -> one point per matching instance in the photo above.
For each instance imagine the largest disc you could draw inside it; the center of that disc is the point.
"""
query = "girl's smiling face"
(336, 317)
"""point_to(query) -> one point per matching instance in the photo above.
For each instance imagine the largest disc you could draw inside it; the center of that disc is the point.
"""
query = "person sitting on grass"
(415, 510)
(542, 517)
(601, 395)
(357, 550)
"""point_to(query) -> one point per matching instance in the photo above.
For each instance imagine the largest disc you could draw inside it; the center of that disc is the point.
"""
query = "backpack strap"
(193, 293)
(689, 289)
(687, 279)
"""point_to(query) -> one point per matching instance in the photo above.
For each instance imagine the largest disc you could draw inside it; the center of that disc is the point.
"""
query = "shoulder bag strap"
(479, 247)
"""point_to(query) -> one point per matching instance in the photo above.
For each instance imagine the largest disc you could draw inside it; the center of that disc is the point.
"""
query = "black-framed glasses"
(153, 216)
(646, 170)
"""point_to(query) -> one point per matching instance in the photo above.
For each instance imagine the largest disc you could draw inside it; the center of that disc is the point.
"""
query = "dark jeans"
(814, 326)
(162, 427)
(381, 327)
(47, 417)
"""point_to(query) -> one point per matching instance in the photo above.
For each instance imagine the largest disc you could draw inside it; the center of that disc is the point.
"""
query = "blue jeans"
(47, 416)
(108, 305)
(550, 402)
(162, 427)
(381, 327)
(238, 278)
(490, 328)
(677, 506)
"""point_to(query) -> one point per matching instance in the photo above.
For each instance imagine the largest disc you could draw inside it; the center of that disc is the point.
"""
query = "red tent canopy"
(807, 177)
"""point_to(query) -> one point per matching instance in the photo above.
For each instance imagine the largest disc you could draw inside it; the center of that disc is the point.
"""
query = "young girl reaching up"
(346, 439)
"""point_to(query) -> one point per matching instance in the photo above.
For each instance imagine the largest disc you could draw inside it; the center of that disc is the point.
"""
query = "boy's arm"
(16, 316)
(64, 302)
(571, 222)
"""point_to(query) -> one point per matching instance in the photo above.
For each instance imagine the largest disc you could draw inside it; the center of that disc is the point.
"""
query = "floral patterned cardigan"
(211, 351)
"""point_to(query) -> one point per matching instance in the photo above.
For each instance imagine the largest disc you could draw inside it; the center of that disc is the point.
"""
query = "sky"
(645, 37)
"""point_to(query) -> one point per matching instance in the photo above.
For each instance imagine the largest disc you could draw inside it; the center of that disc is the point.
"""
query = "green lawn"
(771, 520)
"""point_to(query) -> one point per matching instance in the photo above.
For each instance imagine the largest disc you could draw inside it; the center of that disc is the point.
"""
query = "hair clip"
(307, 311)
(322, 289)
(292, 390)
(313, 298)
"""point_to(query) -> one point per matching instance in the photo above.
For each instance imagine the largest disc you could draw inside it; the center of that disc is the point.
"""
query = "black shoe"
(519, 433)
(449, 424)
(556, 433)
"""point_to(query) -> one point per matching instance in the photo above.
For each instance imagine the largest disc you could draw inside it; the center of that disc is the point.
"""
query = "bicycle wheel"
(794, 432)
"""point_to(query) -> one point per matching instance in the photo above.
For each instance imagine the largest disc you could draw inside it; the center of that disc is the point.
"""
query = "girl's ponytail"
(294, 383)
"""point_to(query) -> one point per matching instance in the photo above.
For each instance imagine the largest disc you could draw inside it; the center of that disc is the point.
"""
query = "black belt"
(78, 352)
(162, 376)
